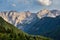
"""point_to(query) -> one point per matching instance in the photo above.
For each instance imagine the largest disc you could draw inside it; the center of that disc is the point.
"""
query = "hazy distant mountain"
(22, 19)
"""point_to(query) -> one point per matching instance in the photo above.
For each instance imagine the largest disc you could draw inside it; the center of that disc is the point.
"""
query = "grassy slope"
(9, 32)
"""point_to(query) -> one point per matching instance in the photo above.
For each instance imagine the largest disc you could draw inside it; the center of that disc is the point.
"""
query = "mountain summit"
(48, 13)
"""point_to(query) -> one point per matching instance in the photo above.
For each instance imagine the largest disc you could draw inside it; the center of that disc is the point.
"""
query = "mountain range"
(10, 32)
(45, 22)
(21, 19)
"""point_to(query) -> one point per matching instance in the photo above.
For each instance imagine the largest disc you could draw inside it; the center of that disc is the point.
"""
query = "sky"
(28, 5)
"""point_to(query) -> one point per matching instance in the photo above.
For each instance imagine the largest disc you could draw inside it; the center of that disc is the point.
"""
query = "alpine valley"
(45, 23)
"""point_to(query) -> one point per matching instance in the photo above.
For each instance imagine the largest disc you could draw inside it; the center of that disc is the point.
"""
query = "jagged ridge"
(21, 19)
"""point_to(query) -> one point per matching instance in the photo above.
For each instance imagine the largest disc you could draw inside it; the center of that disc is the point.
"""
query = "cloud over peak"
(45, 2)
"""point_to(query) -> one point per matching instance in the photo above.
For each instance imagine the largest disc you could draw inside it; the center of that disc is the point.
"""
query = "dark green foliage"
(9, 32)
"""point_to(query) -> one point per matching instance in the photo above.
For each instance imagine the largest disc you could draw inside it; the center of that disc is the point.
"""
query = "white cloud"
(45, 2)
(14, 5)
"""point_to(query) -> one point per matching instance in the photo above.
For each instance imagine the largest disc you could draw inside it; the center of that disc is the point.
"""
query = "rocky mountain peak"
(48, 13)
(43, 13)
(16, 18)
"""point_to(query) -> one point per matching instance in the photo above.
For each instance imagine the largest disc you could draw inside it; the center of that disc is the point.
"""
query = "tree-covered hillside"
(9, 32)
